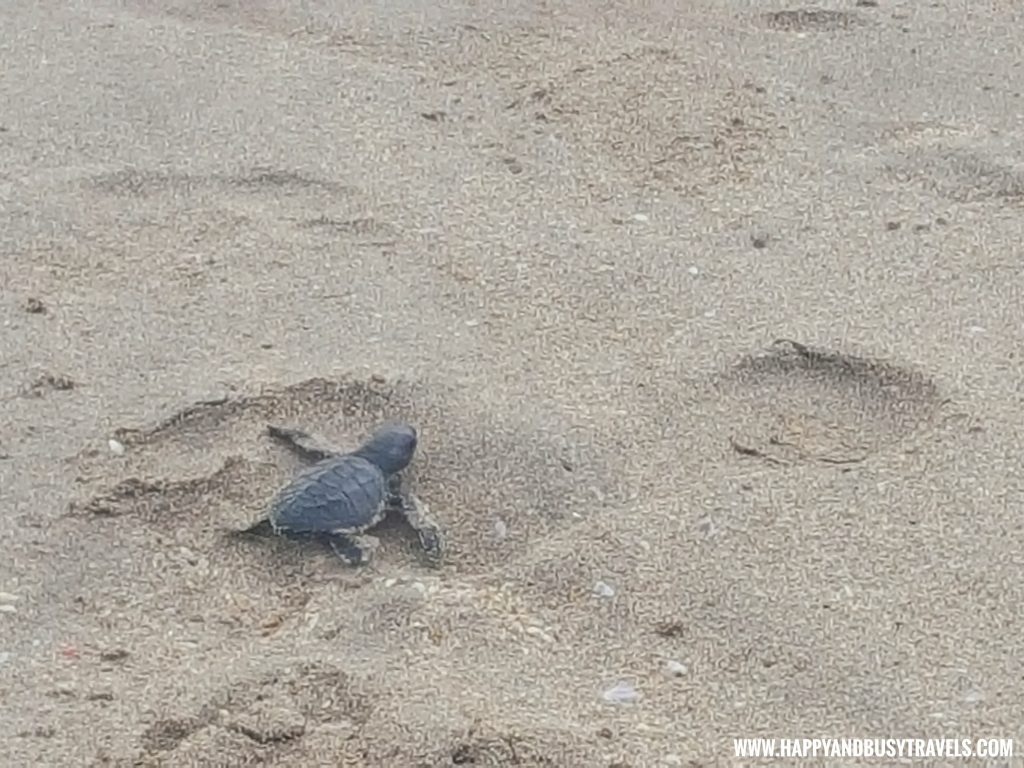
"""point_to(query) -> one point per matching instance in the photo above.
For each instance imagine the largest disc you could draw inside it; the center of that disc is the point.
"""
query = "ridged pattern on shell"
(341, 494)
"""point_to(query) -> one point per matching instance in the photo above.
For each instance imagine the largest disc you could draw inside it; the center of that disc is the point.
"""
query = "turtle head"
(391, 448)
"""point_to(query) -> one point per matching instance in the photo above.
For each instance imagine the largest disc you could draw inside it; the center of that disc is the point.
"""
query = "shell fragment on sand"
(621, 693)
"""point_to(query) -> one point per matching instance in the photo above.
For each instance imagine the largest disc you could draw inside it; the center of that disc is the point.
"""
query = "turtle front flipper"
(421, 521)
(310, 446)
(394, 490)
(354, 549)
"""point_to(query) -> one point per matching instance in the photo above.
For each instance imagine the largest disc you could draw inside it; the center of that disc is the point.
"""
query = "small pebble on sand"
(116, 447)
(602, 589)
(676, 668)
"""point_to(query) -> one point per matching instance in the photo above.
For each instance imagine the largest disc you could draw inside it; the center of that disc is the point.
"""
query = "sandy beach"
(710, 316)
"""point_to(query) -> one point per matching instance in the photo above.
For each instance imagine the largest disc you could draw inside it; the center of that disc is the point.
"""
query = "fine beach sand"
(709, 315)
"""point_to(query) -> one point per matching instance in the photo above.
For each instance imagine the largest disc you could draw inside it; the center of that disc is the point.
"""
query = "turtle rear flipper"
(260, 528)
(354, 549)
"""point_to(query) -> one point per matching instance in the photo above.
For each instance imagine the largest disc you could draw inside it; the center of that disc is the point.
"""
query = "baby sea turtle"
(343, 495)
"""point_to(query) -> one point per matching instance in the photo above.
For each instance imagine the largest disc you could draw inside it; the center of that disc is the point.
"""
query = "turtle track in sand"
(261, 715)
(292, 713)
(473, 469)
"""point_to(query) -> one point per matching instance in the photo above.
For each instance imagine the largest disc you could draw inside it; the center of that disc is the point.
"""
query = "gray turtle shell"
(341, 494)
